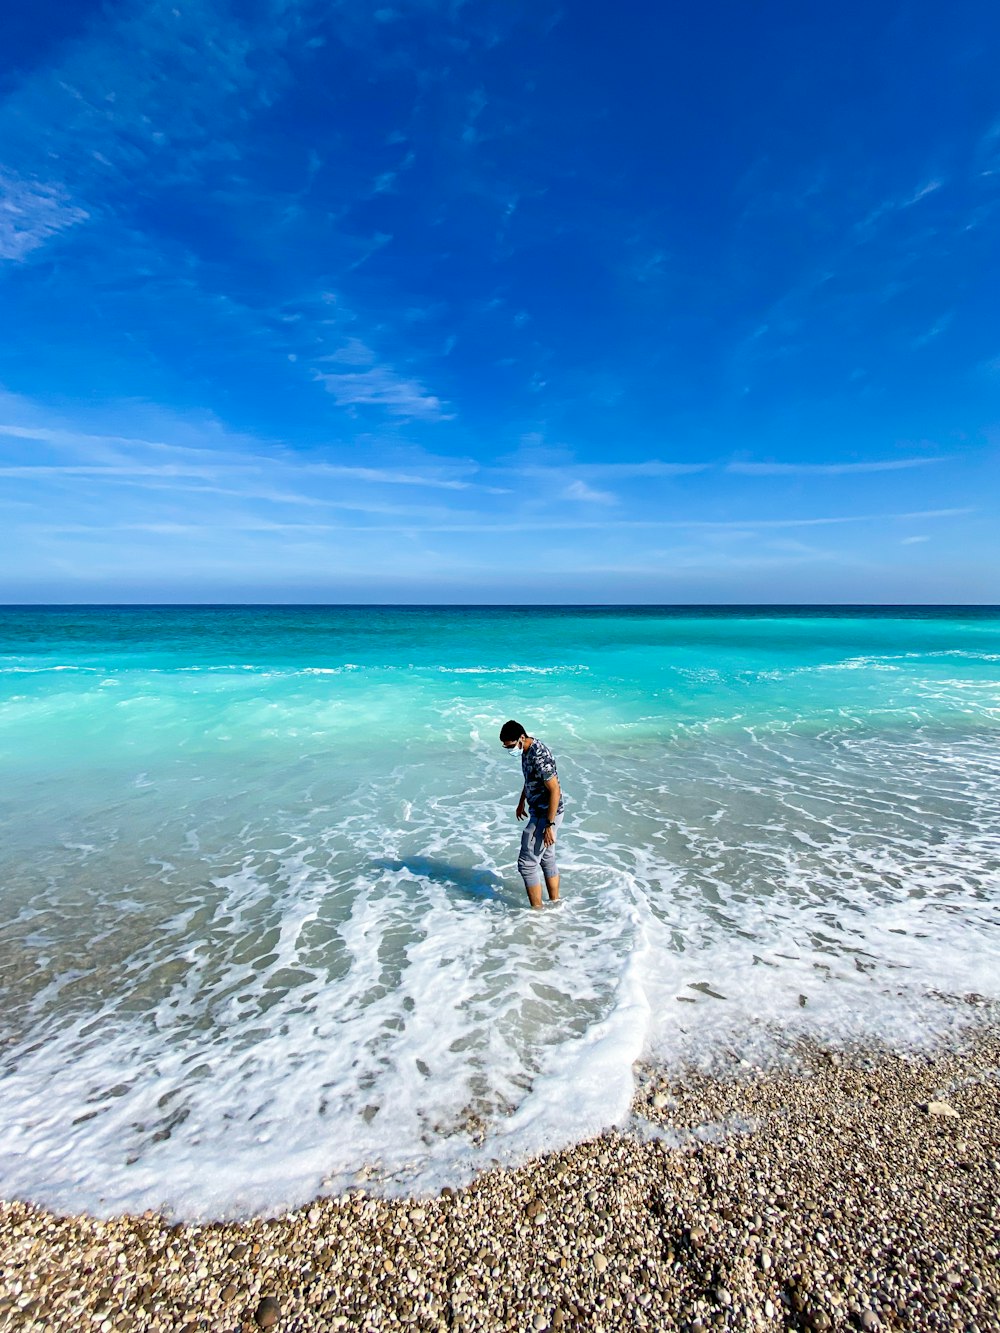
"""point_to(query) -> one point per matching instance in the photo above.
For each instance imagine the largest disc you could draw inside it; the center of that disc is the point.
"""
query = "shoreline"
(858, 1189)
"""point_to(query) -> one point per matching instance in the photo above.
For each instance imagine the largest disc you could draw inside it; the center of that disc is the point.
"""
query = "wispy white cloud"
(380, 386)
(652, 467)
(828, 469)
(230, 525)
(579, 490)
(122, 457)
(387, 477)
(246, 492)
(742, 525)
(369, 246)
(31, 213)
(353, 352)
(68, 438)
(60, 470)
(845, 518)
(371, 383)
(606, 471)
(385, 181)
(167, 482)
(894, 204)
(921, 192)
(936, 329)
(650, 267)
(167, 472)
(237, 461)
(912, 541)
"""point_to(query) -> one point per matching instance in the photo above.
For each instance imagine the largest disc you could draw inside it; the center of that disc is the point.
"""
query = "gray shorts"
(535, 859)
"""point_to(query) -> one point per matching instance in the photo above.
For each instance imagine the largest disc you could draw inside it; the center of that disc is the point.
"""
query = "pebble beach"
(839, 1190)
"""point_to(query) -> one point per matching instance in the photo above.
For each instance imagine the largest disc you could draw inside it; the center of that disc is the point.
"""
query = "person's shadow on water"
(483, 885)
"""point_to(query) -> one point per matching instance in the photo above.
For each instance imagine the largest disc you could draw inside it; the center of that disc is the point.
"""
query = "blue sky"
(453, 300)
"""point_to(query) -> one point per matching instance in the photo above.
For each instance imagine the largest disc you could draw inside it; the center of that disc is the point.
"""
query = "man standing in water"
(541, 799)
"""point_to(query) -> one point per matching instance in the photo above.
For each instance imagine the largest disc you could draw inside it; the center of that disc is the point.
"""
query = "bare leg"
(535, 896)
(553, 887)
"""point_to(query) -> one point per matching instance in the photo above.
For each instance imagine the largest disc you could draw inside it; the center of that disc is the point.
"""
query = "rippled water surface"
(261, 926)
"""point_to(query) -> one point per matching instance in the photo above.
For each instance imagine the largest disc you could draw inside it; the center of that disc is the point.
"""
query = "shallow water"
(261, 926)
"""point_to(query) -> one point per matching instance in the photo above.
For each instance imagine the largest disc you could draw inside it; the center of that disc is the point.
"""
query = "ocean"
(261, 931)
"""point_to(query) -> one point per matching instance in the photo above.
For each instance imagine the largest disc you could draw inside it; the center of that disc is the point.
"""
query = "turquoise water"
(262, 929)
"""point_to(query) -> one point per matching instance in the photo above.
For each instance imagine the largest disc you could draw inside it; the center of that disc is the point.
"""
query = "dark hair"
(511, 731)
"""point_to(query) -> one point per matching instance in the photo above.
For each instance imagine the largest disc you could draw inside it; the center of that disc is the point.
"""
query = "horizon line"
(458, 606)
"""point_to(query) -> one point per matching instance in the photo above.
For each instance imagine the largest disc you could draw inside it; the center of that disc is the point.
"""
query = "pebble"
(600, 1263)
(942, 1109)
(268, 1313)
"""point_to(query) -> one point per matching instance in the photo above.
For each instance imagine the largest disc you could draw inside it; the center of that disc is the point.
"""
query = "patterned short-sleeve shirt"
(538, 765)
